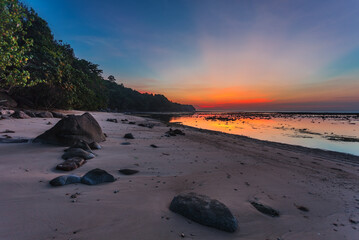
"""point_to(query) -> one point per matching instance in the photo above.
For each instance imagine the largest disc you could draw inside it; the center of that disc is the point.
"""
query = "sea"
(329, 131)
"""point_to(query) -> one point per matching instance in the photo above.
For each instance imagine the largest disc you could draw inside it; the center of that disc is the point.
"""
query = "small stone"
(77, 152)
(129, 136)
(114, 120)
(128, 171)
(154, 146)
(265, 209)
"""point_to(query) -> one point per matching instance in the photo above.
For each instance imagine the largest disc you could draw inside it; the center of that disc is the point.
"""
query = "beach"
(232, 169)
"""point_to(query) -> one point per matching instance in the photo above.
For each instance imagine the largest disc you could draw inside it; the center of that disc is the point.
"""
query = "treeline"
(40, 72)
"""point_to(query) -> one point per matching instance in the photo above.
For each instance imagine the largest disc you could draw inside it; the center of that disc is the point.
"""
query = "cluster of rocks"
(81, 133)
(93, 177)
(77, 155)
(18, 114)
(174, 132)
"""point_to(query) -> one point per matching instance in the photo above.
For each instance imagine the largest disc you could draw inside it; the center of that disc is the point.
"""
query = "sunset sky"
(231, 55)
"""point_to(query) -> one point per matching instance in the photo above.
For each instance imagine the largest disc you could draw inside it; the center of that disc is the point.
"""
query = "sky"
(272, 55)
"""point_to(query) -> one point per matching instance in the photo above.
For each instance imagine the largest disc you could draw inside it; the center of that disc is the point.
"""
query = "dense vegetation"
(41, 72)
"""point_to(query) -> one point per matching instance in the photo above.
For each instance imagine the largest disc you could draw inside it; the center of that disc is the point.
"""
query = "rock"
(11, 140)
(111, 120)
(8, 131)
(175, 132)
(128, 171)
(58, 115)
(71, 129)
(20, 115)
(125, 143)
(77, 152)
(148, 125)
(132, 123)
(80, 144)
(154, 146)
(71, 164)
(265, 209)
(6, 112)
(30, 113)
(301, 208)
(204, 210)
(95, 146)
(7, 101)
(129, 136)
(97, 176)
(64, 180)
(44, 115)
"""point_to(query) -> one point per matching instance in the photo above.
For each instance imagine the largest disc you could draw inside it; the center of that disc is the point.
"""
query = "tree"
(111, 78)
(14, 47)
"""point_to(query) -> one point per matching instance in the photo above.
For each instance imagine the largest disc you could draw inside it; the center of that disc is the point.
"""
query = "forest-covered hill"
(39, 71)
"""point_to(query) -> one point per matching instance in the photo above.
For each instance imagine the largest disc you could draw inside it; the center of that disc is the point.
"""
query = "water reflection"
(337, 132)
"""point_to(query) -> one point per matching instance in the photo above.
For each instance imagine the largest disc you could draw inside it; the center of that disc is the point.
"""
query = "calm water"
(336, 132)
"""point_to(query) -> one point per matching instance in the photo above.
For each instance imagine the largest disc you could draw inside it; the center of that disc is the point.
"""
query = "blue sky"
(227, 54)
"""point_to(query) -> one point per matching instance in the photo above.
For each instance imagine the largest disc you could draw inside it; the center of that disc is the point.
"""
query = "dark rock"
(58, 115)
(64, 180)
(71, 164)
(204, 210)
(20, 115)
(148, 125)
(95, 146)
(81, 144)
(30, 113)
(128, 171)
(12, 140)
(112, 120)
(175, 132)
(125, 143)
(265, 209)
(97, 176)
(44, 115)
(77, 152)
(132, 123)
(154, 146)
(301, 208)
(71, 129)
(8, 131)
(129, 136)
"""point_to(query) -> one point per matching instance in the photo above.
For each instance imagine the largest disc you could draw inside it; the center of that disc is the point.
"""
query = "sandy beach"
(232, 169)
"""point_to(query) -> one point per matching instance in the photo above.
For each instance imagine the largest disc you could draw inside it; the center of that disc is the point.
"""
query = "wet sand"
(232, 169)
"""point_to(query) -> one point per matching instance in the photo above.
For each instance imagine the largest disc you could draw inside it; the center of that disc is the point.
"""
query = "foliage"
(58, 79)
(111, 78)
(14, 46)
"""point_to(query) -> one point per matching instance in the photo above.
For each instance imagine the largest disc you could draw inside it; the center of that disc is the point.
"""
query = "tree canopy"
(45, 73)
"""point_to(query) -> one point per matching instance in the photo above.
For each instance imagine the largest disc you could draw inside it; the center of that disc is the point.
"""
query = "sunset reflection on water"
(330, 132)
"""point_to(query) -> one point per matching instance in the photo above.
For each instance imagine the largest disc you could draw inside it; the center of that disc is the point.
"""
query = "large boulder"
(203, 210)
(97, 176)
(72, 129)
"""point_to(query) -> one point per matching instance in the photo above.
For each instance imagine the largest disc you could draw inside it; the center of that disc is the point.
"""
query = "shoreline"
(354, 159)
